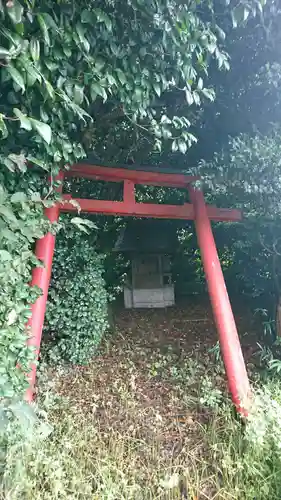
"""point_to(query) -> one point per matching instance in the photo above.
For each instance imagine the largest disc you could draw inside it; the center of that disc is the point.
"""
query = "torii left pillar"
(44, 251)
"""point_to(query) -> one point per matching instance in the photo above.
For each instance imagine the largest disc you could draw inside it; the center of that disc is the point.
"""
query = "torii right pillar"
(235, 368)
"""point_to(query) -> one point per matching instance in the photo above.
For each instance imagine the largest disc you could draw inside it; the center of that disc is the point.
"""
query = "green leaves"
(81, 34)
(3, 128)
(121, 76)
(240, 14)
(188, 96)
(157, 88)
(5, 256)
(43, 129)
(102, 17)
(44, 29)
(16, 76)
(19, 197)
(50, 90)
(87, 16)
(200, 83)
(37, 162)
(78, 94)
(19, 160)
(34, 48)
(4, 53)
(97, 89)
(49, 21)
(15, 11)
(244, 9)
(182, 146)
(83, 224)
(24, 120)
(209, 94)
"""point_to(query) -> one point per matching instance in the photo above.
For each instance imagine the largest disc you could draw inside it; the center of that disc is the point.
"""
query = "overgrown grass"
(144, 423)
(224, 459)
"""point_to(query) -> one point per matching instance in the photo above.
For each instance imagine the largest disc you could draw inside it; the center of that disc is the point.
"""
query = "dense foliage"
(247, 174)
(20, 224)
(76, 316)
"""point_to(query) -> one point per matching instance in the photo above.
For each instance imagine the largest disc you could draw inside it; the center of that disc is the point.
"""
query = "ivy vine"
(76, 316)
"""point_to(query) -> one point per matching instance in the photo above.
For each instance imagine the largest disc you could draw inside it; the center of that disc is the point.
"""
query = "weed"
(268, 326)
(275, 365)
(216, 351)
(210, 395)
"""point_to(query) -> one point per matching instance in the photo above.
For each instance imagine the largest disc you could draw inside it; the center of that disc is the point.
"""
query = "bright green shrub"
(76, 316)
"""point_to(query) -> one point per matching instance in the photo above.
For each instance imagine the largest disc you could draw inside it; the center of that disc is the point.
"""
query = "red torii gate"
(196, 210)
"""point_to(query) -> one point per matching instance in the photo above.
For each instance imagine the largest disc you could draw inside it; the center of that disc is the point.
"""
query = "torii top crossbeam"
(196, 210)
(131, 177)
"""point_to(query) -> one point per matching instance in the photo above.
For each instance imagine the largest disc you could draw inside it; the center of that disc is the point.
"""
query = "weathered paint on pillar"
(44, 251)
(238, 381)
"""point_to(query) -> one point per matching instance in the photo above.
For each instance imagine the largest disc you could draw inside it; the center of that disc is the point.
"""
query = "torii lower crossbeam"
(185, 211)
(196, 210)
